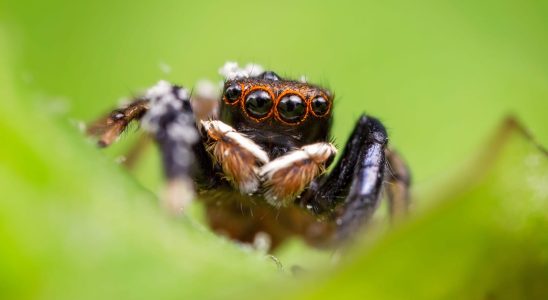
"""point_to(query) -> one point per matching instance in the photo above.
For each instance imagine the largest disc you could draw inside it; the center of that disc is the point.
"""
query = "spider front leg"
(171, 122)
(398, 181)
(238, 156)
(350, 193)
(285, 177)
(167, 115)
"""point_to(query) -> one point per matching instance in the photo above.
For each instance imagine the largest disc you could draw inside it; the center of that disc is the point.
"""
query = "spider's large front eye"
(258, 103)
(233, 93)
(291, 108)
(320, 106)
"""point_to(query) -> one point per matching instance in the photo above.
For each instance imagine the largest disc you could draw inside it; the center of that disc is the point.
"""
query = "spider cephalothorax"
(273, 135)
(258, 153)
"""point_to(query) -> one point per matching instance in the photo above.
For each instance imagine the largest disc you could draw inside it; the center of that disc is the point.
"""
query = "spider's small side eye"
(320, 106)
(233, 93)
(269, 75)
(258, 103)
(291, 108)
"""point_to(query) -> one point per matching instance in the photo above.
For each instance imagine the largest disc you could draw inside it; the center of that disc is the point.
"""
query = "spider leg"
(109, 127)
(166, 114)
(285, 177)
(398, 181)
(237, 155)
(136, 151)
(350, 193)
(171, 122)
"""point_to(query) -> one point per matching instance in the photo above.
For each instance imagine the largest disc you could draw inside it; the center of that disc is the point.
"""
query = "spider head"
(276, 111)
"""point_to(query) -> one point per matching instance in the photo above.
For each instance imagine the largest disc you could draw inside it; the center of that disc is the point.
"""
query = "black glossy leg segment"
(350, 193)
(364, 193)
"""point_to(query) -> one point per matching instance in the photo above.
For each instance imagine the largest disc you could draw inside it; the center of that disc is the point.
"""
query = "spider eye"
(258, 103)
(320, 106)
(269, 75)
(233, 93)
(291, 108)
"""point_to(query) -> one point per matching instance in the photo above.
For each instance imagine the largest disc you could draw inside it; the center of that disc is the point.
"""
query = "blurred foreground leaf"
(72, 226)
(488, 240)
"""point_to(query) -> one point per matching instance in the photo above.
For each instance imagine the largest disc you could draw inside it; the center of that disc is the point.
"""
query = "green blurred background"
(441, 75)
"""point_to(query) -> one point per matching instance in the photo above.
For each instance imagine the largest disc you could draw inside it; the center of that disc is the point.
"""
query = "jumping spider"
(257, 156)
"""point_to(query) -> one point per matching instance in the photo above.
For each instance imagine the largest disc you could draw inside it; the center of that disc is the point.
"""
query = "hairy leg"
(204, 102)
(165, 112)
(108, 128)
(247, 166)
(238, 156)
(285, 177)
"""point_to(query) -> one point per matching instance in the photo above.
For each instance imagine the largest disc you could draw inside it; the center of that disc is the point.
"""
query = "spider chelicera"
(257, 157)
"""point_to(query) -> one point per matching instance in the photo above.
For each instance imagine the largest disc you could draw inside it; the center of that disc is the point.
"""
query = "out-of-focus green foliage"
(441, 75)
(488, 241)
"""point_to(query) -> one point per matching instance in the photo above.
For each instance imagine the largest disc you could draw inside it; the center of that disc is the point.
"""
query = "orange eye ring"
(280, 97)
(225, 99)
(250, 90)
(311, 99)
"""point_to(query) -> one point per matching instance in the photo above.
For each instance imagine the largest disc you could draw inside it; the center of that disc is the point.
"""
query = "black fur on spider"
(257, 157)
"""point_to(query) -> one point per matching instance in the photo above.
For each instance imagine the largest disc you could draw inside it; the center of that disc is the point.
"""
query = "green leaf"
(439, 74)
(486, 241)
